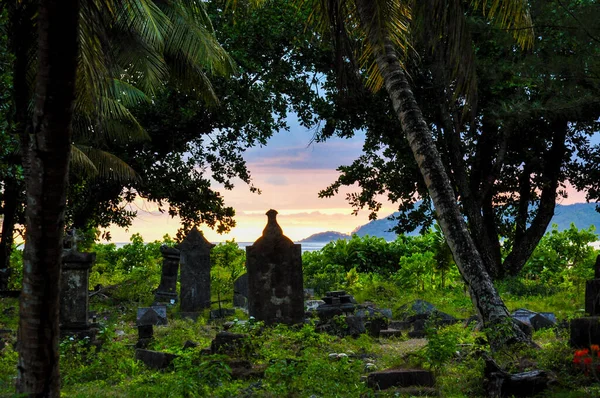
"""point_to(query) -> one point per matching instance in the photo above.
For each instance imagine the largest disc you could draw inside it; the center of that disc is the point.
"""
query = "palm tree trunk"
(484, 296)
(46, 159)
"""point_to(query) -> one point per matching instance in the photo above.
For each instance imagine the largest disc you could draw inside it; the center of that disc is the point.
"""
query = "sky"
(290, 171)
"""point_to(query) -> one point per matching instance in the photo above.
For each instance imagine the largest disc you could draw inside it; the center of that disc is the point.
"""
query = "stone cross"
(195, 272)
(74, 295)
(166, 291)
(275, 282)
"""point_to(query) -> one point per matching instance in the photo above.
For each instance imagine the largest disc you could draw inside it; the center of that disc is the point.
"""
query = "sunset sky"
(290, 173)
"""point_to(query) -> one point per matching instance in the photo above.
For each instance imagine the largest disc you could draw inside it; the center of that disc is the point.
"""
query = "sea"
(306, 246)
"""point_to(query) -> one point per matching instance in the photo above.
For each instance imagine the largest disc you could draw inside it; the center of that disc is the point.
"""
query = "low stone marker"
(336, 303)
(400, 378)
(195, 272)
(536, 320)
(74, 295)
(147, 318)
(222, 313)
(500, 383)
(274, 267)
(167, 289)
(154, 359)
(229, 343)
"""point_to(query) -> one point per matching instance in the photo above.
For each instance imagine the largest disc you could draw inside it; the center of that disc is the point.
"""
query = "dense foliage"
(296, 360)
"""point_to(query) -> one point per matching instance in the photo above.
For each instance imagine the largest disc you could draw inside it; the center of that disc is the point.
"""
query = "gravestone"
(195, 272)
(74, 295)
(336, 303)
(147, 318)
(240, 291)
(274, 267)
(585, 331)
(592, 292)
(167, 290)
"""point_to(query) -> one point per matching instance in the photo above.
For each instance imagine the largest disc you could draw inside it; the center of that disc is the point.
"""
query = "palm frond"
(192, 36)
(441, 27)
(141, 65)
(108, 165)
(127, 94)
(82, 164)
(383, 21)
(115, 113)
(511, 15)
(145, 19)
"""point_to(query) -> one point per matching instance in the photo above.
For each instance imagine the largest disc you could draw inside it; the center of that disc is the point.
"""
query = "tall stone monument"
(195, 272)
(274, 267)
(74, 295)
(167, 290)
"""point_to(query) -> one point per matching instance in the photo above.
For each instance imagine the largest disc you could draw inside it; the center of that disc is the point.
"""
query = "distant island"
(326, 237)
(583, 215)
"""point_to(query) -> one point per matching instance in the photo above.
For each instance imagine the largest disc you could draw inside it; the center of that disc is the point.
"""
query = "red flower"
(581, 353)
(595, 347)
(576, 361)
(587, 361)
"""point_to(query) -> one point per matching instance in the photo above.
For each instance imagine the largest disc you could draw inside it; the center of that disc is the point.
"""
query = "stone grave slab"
(400, 378)
(154, 359)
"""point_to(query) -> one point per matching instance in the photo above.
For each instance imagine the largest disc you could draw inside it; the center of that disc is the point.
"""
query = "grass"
(296, 359)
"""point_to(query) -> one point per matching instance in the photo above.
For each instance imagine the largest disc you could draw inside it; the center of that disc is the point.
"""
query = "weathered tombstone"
(147, 318)
(274, 266)
(195, 272)
(221, 313)
(585, 331)
(154, 359)
(166, 292)
(74, 295)
(240, 291)
(592, 292)
(385, 379)
(336, 303)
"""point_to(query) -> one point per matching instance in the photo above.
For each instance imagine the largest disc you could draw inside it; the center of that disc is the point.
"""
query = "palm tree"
(46, 163)
(122, 45)
(384, 27)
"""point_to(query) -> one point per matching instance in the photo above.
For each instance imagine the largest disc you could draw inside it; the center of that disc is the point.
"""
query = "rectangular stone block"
(592, 297)
(400, 378)
(585, 332)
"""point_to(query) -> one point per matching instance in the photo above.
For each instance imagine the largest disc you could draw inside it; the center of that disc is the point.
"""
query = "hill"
(326, 237)
(583, 215)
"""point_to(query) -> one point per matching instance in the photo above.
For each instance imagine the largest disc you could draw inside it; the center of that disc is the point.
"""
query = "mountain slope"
(326, 237)
(583, 215)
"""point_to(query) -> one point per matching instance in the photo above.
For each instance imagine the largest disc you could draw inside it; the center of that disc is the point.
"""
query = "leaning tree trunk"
(494, 314)
(46, 152)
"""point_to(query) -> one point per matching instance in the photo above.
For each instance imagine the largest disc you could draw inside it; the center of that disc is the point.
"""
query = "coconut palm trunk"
(46, 160)
(485, 298)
